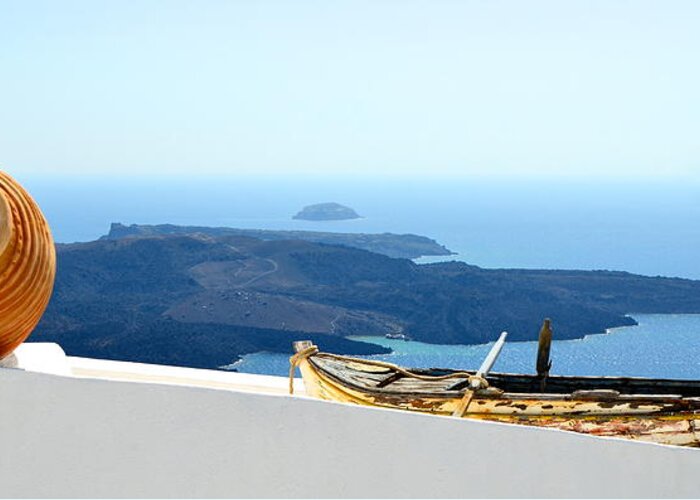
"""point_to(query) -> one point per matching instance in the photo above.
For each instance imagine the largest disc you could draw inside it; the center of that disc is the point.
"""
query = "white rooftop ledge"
(49, 358)
(113, 429)
(174, 375)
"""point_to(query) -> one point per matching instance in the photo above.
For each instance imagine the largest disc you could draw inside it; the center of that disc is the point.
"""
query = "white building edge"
(77, 427)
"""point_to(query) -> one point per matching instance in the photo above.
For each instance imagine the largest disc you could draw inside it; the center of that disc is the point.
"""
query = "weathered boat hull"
(665, 419)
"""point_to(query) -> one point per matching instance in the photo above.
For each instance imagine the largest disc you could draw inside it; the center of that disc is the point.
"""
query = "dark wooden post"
(543, 348)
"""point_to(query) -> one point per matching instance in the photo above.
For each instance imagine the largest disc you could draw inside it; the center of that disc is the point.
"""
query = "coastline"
(646, 349)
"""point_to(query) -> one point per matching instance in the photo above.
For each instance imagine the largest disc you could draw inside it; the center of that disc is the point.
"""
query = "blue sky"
(438, 88)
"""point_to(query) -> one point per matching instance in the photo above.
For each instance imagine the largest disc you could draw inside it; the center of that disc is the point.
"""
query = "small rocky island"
(326, 211)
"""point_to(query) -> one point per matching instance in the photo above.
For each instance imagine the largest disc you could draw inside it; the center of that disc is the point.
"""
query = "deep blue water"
(642, 227)
(662, 345)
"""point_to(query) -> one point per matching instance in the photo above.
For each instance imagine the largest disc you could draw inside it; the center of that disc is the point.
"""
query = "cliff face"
(202, 300)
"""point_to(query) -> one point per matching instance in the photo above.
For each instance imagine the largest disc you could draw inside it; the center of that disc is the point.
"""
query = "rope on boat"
(295, 360)
(473, 380)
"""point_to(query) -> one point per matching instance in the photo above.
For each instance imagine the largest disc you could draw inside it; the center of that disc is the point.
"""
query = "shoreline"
(648, 349)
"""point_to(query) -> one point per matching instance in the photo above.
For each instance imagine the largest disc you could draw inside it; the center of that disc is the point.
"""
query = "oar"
(477, 381)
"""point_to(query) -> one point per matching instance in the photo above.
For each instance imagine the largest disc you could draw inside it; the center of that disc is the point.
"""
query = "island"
(201, 300)
(406, 246)
(326, 211)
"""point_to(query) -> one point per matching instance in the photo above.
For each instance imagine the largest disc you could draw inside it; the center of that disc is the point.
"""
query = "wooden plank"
(390, 379)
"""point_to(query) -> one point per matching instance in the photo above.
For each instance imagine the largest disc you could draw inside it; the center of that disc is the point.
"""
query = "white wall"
(73, 437)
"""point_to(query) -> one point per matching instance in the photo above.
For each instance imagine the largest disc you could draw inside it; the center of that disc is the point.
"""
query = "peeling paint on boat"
(664, 419)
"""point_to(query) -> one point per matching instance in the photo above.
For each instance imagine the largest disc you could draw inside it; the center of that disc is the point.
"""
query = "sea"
(643, 226)
(661, 345)
(646, 227)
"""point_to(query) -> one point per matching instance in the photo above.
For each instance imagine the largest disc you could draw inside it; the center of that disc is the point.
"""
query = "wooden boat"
(656, 410)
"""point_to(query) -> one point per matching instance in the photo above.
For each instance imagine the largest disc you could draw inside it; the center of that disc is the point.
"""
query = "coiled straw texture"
(27, 264)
